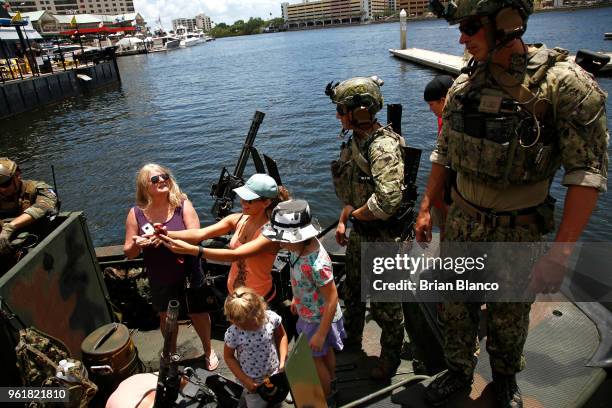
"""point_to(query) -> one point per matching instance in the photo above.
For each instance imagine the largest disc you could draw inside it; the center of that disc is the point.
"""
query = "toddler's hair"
(244, 306)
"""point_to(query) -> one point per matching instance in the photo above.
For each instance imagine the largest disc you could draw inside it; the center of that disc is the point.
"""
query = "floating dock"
(452, 64)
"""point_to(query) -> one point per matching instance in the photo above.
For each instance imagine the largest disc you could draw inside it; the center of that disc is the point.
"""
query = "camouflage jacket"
(574, 134)
(382, 190)
(34, 198)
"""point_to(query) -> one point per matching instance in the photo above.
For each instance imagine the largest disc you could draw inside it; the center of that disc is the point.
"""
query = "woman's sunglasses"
(471, 27)
(163, 177)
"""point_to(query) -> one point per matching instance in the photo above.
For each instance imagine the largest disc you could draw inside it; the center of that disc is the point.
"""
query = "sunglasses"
(163, 177)
(7, 183)
(471, 27)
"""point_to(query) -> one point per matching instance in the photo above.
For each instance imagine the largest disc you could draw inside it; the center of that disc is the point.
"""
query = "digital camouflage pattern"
(40, 357)
(577, 130)
(387, 315)
(382, 191)
(34, 198)
(507, 323)
(359, 91)
(578, 141)
(461, 9)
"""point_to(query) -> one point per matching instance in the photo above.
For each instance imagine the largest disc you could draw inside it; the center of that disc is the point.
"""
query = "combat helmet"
(358, 92)
(8, 168)
(458, 10)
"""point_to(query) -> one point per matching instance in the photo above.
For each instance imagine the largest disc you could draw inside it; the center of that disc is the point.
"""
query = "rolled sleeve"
(387, 166)
(582, 129)
(45, 204)
(586, 179)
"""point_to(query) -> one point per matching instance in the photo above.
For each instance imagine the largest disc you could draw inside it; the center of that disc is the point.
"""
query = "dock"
(452, 64)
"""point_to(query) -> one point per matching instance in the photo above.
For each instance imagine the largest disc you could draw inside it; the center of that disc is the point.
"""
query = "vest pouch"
(494, 160)
(341, 178)
(531, 164)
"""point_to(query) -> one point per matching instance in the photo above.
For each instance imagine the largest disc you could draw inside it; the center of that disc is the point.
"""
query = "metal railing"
(12, 69)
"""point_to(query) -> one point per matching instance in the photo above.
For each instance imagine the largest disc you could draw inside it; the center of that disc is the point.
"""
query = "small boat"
(608, 36)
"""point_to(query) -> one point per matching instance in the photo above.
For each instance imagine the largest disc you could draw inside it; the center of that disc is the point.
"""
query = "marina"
(193, 121)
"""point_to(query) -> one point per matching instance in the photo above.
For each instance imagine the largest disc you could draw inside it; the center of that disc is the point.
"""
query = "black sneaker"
(507, 392)
(445, 385)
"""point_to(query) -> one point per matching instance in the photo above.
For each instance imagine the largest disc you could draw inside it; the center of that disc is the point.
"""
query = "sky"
(226, 11)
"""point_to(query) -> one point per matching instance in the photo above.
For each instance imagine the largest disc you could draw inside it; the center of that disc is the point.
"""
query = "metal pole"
(403, 29)
(32, 59)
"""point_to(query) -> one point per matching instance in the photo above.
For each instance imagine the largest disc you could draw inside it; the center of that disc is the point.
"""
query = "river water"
(190, 109)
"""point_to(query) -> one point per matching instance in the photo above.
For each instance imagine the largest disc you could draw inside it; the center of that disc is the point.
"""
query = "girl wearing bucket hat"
(258, 197)
(315, 297)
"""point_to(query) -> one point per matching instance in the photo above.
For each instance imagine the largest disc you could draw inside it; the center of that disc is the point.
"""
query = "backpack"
(44, 361)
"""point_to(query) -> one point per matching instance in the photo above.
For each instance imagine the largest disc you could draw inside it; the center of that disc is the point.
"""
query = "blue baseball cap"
(258, 186)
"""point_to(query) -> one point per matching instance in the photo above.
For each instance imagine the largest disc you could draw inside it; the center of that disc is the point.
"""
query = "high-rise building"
(203, 22)
(415, 8)
(75, 6)
(188, 23)
(326, 12)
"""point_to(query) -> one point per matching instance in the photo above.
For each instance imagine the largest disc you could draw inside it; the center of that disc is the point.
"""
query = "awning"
(9, 33)
(97, 30)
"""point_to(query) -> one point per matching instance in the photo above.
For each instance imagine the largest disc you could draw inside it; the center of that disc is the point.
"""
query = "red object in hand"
(160, 229)
(180, 260)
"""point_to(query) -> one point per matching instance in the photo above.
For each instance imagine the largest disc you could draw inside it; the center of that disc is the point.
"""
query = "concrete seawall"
(24, 95)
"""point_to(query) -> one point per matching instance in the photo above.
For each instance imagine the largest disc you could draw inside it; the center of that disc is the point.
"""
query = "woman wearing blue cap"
(258, 197)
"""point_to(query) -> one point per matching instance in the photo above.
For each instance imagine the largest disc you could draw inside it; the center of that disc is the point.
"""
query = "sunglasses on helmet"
(470, 27)
(163, 177)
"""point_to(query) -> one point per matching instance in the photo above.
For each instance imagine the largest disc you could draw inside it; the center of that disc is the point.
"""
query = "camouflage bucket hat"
(8, 168)
(458, 10)
(356, 92)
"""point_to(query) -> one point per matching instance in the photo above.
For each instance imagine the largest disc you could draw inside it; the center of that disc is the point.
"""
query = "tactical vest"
(351, 175)
(22, 202)
(497, 140)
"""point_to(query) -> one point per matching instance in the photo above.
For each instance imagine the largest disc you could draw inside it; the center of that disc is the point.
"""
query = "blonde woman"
(160, 200)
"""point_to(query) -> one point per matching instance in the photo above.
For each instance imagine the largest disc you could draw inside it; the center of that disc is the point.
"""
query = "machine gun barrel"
(222, 191)
(168, 380)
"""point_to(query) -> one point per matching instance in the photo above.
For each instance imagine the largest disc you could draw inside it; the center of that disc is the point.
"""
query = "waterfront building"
(203, 22)
(49, 25)
(74, 6)
(416, 8)
(188, 23)
(326, 12)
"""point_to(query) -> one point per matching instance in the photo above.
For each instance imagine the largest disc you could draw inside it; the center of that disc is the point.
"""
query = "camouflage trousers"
(507, 323)
(386, 314)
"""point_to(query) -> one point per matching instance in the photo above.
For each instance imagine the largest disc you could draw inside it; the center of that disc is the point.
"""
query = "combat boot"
(446, 385)
(384, 370)
(507, 392)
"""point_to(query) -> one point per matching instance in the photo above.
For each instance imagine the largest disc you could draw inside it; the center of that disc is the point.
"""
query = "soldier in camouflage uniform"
(509, 124)
(368, 180)
(22, 201)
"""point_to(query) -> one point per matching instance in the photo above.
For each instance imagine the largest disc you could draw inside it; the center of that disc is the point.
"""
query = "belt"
(487, 216)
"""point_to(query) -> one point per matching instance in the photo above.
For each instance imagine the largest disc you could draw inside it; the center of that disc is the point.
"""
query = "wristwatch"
(352, 218)
(200, 251)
